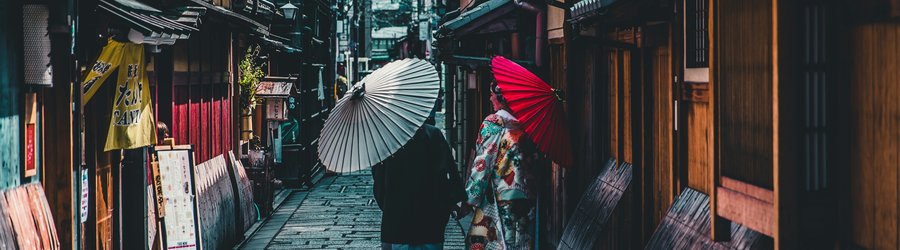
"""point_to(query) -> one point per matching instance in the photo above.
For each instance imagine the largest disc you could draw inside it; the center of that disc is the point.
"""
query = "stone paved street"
(339, 213)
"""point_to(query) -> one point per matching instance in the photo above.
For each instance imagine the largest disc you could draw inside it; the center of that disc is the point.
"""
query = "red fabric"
(535, 105)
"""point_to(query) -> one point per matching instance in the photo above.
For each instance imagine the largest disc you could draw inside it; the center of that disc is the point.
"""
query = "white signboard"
(151, 216)
(84, 195)
(423, 31)
(175, 170)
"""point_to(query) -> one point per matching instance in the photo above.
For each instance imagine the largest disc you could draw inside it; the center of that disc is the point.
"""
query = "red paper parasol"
(538, 106)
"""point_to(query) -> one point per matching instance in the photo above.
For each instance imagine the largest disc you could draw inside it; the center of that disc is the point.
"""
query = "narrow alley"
(551, 124)
(338, 213)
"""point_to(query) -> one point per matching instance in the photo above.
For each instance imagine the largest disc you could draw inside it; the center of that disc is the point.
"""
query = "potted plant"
(250, 73)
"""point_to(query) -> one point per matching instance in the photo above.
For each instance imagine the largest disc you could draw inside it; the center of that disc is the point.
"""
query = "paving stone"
(339, 213)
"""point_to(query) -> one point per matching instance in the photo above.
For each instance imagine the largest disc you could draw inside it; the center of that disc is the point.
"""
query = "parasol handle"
(359, 90)
(560, 95)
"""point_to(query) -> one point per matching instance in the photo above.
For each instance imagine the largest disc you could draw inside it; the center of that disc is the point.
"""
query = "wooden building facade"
(780, 114)
(36, 168)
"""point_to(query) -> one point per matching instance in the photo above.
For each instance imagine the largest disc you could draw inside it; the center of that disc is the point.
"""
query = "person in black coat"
(416, 189)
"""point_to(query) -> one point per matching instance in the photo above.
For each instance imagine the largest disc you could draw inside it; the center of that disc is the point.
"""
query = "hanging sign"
(423, 31)
(31, 144)
(30, 166)
(131, 123)
(84, 195)
(109, 60)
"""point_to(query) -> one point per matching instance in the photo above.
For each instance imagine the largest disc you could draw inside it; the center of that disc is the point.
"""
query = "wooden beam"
(748, 189)
(746, 210)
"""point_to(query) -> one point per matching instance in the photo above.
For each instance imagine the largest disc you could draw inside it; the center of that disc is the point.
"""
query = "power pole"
(355, 41)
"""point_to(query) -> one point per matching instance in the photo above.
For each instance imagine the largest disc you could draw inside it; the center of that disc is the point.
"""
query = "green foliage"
(250, 74)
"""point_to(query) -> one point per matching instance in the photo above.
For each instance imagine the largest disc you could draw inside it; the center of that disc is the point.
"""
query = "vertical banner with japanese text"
(131, 125)
(106, 64)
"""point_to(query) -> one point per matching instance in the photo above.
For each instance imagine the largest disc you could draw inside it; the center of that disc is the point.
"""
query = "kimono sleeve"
(485, 160)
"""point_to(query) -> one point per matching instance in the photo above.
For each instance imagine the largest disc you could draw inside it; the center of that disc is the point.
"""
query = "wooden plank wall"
(874, 119)
(102, 164)
(614, 102)
(58, 157)
(556, 203)
(662, 130)
(626, 75)
(588, 110)
(744, 92)
(201, 112)
(10, 92)
(696, 116)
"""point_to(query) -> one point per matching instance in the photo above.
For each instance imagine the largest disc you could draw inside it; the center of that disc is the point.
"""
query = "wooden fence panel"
(215, 197)
(244, 192)
(25, 219)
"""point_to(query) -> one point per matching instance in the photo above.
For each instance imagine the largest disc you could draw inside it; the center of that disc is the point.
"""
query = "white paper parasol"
(378, 115)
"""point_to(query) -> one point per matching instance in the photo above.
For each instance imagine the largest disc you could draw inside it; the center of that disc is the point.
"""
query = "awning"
(475, 17)
(269, 42)
(254, 26)
(261, 8)
(152, 23)
(585, 8)
(617, 12)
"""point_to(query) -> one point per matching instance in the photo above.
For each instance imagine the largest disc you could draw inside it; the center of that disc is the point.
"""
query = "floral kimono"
(498, 187)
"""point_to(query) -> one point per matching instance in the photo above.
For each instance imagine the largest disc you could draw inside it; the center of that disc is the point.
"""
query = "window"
(696, 34)
(815, 77)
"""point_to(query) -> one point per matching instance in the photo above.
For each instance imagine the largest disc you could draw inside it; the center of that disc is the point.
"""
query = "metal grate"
(696, 34)
(36, 45)
(815, 88)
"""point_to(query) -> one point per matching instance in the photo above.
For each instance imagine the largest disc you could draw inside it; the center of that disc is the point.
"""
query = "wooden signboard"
(176, 172)
(30, 135)
(30, 166)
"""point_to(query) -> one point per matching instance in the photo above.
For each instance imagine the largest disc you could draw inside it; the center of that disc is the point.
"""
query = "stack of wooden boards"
(25, 219)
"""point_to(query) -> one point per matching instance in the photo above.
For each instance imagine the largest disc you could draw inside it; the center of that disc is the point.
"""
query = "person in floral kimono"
(499, 186)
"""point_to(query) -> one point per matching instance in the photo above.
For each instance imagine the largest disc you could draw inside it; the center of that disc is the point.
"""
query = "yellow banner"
(132, 123)
(108, 62)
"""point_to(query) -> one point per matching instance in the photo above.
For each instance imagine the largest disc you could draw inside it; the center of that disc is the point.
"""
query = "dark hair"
(498, 92)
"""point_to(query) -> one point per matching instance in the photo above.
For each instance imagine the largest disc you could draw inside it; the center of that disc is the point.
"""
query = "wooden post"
(720, 228)
(134, 199)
